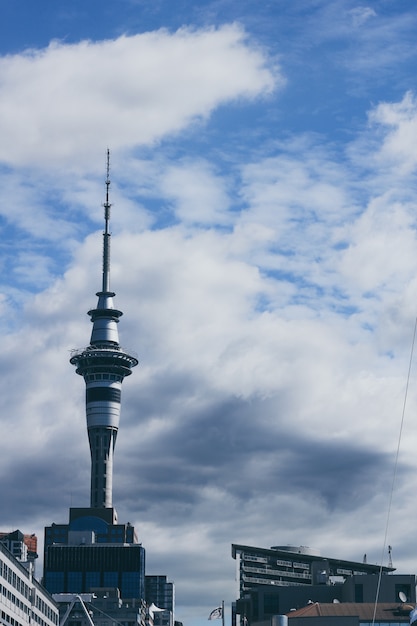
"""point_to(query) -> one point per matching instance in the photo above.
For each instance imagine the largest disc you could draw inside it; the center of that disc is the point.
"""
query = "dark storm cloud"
(229, 443)
(33, 488)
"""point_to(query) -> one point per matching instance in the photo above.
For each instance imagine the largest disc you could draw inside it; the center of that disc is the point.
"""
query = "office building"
(276, 580)
(23, 600)
(161, 594)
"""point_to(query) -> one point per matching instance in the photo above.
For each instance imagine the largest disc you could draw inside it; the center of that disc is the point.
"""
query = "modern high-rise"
(161, 593)
(93, 550)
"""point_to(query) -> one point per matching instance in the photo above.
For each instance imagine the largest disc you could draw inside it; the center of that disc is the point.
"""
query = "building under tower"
(93, 550)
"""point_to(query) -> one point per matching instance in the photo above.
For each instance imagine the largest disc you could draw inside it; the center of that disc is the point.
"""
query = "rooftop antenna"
(106, 234)
(389, 556)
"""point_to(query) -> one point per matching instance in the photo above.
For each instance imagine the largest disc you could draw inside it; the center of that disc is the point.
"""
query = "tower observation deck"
(103, 365)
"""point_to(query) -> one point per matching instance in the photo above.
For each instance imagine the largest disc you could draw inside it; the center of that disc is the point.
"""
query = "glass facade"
(76, 569)
(131, 585)
(74, 582)
(110, 579)
(54, 581)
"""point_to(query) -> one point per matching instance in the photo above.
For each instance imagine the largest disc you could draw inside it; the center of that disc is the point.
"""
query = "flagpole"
(222, 612)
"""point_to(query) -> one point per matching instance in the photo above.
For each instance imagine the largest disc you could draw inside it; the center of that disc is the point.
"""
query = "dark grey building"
(277, 580)
(161, 594)
(99, 608)
(89, 552)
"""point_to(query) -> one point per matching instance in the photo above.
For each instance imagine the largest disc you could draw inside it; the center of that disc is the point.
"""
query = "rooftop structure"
(23, 547)
(100, 607)
(351, 614)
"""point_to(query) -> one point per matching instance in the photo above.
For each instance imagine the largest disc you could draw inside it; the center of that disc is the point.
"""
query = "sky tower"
(103, 365)
(93, 550)
(94, 553)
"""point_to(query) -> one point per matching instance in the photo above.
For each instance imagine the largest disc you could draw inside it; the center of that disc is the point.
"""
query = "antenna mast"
(106, 234)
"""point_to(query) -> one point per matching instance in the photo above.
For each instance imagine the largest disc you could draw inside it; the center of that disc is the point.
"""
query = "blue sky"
(264, 252)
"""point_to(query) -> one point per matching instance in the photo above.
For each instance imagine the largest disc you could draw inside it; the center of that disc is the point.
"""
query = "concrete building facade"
(278, 580)
(23, 601)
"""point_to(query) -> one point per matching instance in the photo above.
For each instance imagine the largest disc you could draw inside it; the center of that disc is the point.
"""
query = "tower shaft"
(103, 365)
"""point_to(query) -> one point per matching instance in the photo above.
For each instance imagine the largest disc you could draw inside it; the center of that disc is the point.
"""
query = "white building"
(23, 600)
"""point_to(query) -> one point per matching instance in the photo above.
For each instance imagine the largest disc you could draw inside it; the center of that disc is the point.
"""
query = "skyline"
(264, 253)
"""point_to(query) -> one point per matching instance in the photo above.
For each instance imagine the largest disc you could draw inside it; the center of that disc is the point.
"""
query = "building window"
(358, 593)
(74, 582)
(54, 581)
(110, 579)
(92, 579)
(130, 584)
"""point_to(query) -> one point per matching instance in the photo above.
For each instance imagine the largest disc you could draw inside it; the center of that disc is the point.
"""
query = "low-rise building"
(101, 607)
(351, 614)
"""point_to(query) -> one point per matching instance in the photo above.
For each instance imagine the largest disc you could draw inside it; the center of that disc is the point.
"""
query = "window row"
(13, 579)
(45, 609)
(9, 595)
(91, 377)
(8, 619)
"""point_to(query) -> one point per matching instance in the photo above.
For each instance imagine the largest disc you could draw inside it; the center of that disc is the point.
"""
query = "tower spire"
(106, 234)
(103, 365)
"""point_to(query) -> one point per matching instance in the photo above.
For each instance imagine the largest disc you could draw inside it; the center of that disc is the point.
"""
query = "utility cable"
(395, 472)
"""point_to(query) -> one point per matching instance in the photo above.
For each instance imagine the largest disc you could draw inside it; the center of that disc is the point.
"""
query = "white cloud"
(372, 261)
(59, 103)
(369, 43)
(200, 196)
(397, 150)
(360, 15)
